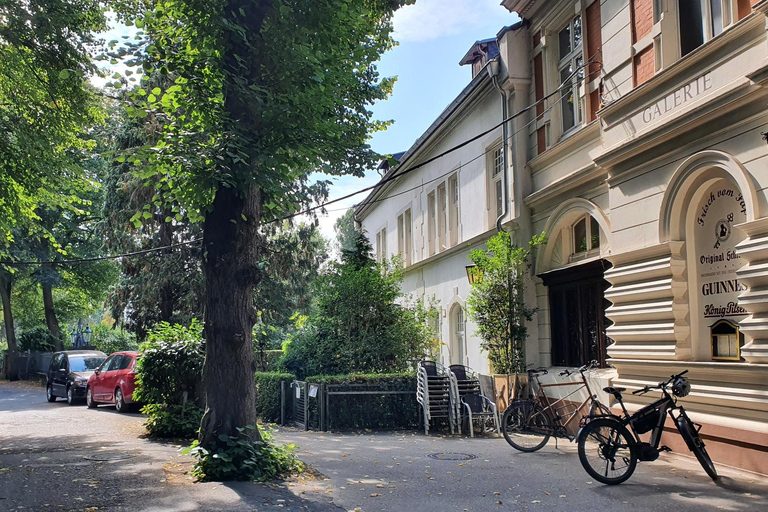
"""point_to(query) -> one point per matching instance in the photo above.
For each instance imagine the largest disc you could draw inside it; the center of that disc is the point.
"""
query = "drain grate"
(106, 457)
(451, 456)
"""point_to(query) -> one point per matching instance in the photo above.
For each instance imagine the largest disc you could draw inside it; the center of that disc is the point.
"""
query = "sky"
(433, 36)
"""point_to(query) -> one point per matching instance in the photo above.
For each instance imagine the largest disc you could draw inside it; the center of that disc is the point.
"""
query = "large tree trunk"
(6, 284)
(230, 256)
(50, 315)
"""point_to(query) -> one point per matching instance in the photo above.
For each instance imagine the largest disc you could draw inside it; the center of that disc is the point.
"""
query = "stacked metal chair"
(468, 401)
(434, 394)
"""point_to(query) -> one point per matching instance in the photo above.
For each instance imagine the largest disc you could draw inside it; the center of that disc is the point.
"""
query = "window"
(586, 235)
(701, 20)
(441, 218)
(496, 195)
(431, 227)
(453, 210)
(404, 236)
(726, 341)
(571, 72)
(381, 245)
(84, 363)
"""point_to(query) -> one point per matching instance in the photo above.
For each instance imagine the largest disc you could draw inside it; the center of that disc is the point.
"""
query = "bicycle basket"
(646, 419)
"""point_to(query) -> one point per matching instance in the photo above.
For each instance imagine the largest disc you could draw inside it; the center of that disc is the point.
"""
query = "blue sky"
(433, 35)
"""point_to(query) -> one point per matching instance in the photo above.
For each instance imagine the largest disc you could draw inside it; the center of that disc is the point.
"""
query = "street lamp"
(79, 337)
(474, 274)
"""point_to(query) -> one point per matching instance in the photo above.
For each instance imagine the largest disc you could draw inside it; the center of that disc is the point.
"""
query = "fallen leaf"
(375, 495)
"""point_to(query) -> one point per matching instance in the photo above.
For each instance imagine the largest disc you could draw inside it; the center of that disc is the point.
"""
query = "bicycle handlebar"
(661, 385)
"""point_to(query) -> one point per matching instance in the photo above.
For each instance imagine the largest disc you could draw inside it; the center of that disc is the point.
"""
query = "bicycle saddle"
(615, 391)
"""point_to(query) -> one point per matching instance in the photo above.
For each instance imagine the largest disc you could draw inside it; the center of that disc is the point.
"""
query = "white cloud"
(430, 19)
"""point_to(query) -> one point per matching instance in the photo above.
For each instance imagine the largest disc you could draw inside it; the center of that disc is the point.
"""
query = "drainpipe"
(493, 71)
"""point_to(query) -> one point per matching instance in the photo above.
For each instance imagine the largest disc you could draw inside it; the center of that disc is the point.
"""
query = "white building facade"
(643, 158)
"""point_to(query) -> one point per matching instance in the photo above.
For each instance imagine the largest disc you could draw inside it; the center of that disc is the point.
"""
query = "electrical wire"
(396, 175)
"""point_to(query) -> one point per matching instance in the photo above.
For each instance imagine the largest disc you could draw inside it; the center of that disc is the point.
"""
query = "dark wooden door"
(577, 314)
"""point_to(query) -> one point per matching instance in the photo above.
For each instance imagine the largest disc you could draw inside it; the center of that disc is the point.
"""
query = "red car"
(113, 382)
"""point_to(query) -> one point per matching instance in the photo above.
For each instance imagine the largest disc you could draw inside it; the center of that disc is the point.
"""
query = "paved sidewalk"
(394, 472)
(57, 457)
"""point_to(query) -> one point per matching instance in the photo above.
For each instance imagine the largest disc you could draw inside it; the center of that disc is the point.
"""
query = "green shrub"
(239, 458)
(169, 421)
(384, 411)
(172, 364)
(110, 340)
(362, 323)
(268, 394)
(37, 339)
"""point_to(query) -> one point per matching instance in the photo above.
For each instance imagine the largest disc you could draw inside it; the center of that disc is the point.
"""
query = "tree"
(346, 232)
(497, 304)
(265, 92)
(362, 323)
(45, 100)
(45, 105)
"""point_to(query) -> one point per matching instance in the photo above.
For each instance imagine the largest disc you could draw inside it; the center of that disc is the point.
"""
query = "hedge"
(369, 411)
(268, 394)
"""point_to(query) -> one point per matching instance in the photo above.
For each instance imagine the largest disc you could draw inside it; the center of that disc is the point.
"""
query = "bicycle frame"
(554, 406)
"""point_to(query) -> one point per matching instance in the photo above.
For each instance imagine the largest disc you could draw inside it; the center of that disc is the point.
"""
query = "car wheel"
(49, 393)
(89, 401)
(120, 404)
(70, 395)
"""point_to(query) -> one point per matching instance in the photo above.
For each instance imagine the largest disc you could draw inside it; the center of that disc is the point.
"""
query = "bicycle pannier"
(646, 419)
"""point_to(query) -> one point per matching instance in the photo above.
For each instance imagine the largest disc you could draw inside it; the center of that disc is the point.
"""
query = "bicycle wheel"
(525, 426)
(607, 451)
(695, 444)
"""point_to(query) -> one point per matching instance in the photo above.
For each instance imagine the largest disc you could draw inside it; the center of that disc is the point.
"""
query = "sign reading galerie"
(721, 208)
(678, 98)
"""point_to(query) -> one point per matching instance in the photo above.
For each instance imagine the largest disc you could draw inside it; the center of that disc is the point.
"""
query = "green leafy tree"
(346, 232)
(497, 303)
(264, 93)
(361, 323)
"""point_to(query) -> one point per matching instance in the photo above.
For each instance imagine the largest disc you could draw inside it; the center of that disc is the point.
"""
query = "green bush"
(239, 458)
(172, 364)
(169, 421)
(362, 323)
(385, 411)
(110, 340)
(37, 339)
(268, 394)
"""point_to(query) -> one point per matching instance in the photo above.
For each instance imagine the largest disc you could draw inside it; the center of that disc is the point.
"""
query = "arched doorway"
(458, 349)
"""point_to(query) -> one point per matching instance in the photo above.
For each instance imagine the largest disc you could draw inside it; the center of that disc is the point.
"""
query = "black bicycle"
(609, 452)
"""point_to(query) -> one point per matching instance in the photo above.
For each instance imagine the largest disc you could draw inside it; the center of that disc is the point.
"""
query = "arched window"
(585, 234)
(458, 338)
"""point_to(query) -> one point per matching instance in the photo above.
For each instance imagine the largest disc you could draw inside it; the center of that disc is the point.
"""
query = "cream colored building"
(643, 158)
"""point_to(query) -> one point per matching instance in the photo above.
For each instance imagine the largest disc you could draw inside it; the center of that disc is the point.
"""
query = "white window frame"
(495, 166)
(431, 222)
(405, 236)
(591, 251)
(442, 216)
(381, 244)
(453, 209)
(570, 62)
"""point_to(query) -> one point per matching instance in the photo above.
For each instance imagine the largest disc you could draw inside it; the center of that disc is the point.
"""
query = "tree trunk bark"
(230, 257)
(6, 284)
(50, 316)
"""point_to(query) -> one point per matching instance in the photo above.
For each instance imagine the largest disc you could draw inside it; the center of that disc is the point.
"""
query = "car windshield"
(84, 364)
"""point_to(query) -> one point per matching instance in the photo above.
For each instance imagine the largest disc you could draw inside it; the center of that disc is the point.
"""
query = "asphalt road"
(57, 457)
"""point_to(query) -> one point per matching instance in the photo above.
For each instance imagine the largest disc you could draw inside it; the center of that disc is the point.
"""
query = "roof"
(452, 108)
(489, 48)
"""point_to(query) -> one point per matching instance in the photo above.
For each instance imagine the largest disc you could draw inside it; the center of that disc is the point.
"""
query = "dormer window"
(585, 234)
(479, 54)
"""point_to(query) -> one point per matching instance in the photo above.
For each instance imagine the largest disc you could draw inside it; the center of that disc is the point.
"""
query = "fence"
(29, 364)
(323, 406)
